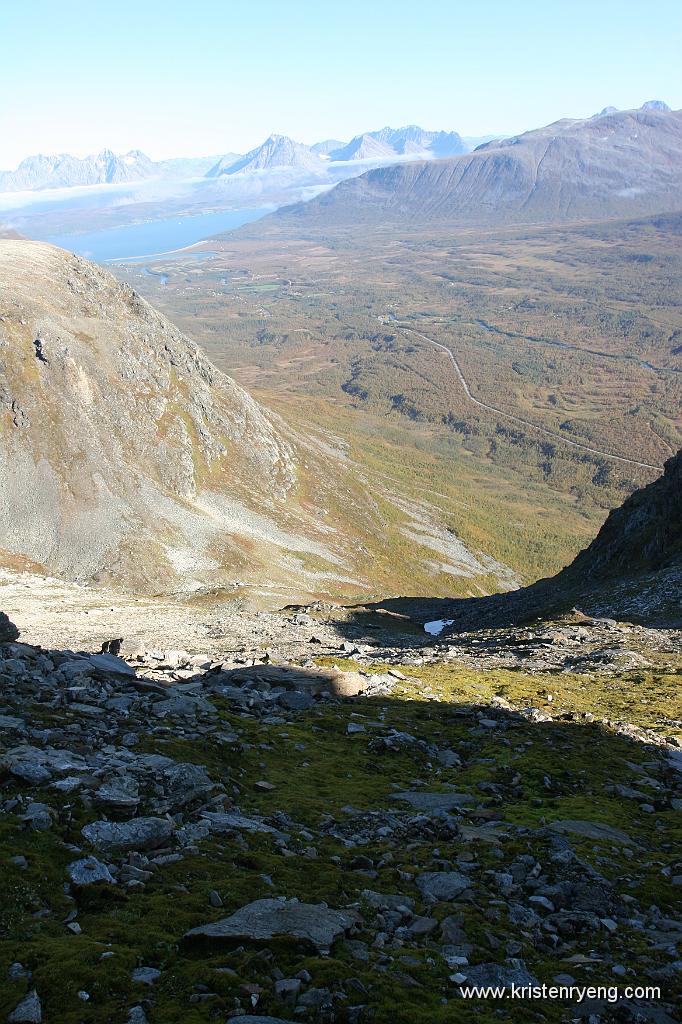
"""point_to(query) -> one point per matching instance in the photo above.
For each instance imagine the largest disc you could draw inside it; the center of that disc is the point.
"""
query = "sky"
(179, 79)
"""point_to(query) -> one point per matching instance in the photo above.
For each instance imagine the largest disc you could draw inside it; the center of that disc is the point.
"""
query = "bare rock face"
(645, 532)
(8, 631)
(124, 453)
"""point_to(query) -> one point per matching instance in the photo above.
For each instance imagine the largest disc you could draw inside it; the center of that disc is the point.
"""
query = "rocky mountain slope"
(116, 429)
(619, 164)
(643, 535)
(125, 455)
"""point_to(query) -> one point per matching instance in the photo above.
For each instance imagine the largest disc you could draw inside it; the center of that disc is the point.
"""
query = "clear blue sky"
(208, 77)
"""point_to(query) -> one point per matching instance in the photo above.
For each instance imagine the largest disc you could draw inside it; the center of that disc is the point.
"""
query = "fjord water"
(153, 237)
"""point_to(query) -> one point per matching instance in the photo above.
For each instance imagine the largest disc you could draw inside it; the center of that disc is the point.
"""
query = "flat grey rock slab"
(12, 722)
(499, 975)
(259, 1020)
(592, 830)
(229, 821)
(313, 924)
(36, 766)
(434, 803)
(387, 901)
(296, 700)
(121, 836)
(146, 975)
(442, 885)
(110, 663)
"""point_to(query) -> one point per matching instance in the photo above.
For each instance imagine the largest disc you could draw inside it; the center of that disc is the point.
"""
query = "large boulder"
(89, 871)
(111, 837)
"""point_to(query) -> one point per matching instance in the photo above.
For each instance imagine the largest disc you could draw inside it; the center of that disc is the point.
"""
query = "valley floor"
(327, 815)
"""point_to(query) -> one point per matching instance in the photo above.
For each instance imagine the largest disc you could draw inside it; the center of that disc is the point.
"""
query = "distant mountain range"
(64, 171)
(618, 163)
(278, 151)
(104, 168)
(500, 175)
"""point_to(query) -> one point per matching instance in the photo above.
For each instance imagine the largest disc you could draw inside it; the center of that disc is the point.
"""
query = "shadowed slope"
(631, 571)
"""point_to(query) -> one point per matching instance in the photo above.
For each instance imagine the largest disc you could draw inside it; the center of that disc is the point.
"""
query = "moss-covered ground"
(561, 769)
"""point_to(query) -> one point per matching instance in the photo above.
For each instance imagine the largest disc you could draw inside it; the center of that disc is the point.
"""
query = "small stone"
(28, 1011)
(145, 975)
(287, 989)
(136, 1015)
(262, 784)
(214, 898)
(17, 970)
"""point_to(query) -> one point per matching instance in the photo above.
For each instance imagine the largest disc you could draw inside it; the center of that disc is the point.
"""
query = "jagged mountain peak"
(278, 151)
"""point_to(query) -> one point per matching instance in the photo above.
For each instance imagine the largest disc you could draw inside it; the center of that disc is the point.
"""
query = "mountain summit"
(277, 151)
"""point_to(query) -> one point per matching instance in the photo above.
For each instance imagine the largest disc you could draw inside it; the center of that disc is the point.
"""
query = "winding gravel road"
(518, 419)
